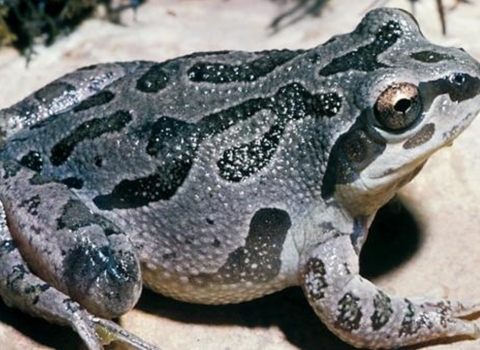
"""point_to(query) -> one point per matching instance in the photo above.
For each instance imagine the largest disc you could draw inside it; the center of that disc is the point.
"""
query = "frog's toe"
(110, 331)
(452, 308)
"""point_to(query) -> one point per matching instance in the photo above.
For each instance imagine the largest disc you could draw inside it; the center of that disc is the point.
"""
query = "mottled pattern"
(31, 204)
(221, 177)
(352, 153)
(35, 291)
(411, 322)
(10, 169)
(314, 279)
(383, 310)
(349, 312)
(292, 102)
(76, 215)
(17, 274)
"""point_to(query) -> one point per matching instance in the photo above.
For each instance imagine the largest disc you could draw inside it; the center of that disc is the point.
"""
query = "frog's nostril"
(458, 79)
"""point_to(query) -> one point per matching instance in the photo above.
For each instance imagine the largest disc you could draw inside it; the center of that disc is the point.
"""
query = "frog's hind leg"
(61, 262)
(365, 316)
(20, 288)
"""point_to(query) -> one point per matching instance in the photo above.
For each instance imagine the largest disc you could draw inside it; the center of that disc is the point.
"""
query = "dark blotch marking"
(153, 80)
(10, 169)
(85, 263)
(218, 73)
(424, 135)
(383, 310)
(344, 163)
(35, 291)
(140, 192)
(98, 99)
(459, 87)
(351, 153)
(7, 246)
(163, 131)
(314, 279)
(291, 102)
(17, 274)
(88, 130)
(430, 56)
(31, 204)
(241, 162)
(73, 182)
(259, 259)
(76, 215)
(349, 312)
(365, 58)
(32, 160)
(410, 324)
(71, 305)
(52, 91)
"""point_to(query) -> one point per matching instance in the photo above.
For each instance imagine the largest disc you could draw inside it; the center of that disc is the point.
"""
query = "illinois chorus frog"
(220, 177)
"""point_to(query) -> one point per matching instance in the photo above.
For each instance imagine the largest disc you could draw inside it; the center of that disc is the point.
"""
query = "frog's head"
(411, 98)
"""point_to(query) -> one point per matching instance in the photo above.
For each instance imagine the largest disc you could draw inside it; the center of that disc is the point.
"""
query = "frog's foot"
(363, 315)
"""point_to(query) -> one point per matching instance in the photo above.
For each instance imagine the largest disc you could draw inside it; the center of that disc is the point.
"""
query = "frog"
(221, 177)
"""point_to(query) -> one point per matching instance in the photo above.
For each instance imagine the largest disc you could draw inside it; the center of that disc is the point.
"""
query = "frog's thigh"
(364, 315)
(79, 253)
(21, 288)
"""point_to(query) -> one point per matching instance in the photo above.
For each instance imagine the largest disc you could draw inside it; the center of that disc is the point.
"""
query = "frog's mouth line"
(459, 128)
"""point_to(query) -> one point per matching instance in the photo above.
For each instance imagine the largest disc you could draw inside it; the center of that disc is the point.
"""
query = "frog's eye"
(398, 107)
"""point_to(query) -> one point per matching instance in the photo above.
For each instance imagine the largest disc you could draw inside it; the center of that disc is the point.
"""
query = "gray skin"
(221, 177)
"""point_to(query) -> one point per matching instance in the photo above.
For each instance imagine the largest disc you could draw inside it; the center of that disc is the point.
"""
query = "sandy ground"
(428, 241)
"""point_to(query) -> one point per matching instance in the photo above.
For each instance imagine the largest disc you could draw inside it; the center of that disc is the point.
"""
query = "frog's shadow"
(394, 237)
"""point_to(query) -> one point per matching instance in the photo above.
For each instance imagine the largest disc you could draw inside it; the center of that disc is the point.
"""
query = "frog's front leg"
(365, 316)
(60, 261)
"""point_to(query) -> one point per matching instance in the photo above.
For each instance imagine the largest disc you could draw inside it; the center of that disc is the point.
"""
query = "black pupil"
(402, 105)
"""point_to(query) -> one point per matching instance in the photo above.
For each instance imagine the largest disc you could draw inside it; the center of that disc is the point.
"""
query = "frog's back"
(207, 156)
